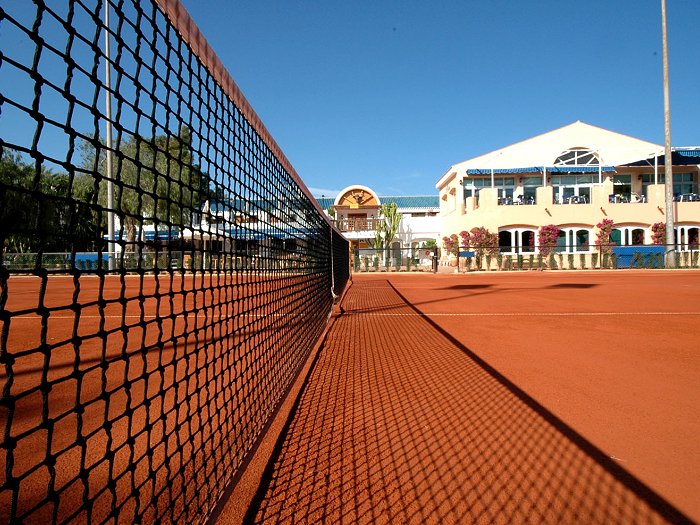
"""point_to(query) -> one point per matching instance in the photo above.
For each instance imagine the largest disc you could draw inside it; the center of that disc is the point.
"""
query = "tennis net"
(164, 271)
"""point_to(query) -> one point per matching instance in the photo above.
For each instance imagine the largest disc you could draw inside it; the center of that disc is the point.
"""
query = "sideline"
(518, 314)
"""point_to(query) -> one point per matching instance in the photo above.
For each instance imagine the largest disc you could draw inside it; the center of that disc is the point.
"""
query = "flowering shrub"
(451, 244)
(547, 238)
(605, 228)
(483, 241)
(658, 233)
(446, 244)
(465, 237)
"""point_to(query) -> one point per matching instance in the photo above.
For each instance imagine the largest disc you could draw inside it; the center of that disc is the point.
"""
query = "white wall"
(413, 228)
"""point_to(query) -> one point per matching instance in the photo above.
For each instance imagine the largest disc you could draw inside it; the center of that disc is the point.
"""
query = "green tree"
(153, 180)
(41, 210)
(17, 209)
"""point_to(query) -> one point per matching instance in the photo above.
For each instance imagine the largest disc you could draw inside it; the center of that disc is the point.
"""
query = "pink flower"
(547, 238)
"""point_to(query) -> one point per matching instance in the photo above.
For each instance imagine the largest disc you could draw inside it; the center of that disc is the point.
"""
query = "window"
(577, 157)
(530, 185)
(622, 185)
(516, 240)
(506, 185)
(573, 240)
(567, 186)
(472, 186)
(628, 236)
(683, 183)
(505, 241)
(687, 237)
(528, 241)
(581, 240)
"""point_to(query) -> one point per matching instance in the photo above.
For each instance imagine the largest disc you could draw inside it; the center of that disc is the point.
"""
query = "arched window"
(528, 241)
(573, 240)
(577, 157)
(687, 237)
(562, 241)
(505, 241)
(582, 240)
(517, 240)
(628, 236)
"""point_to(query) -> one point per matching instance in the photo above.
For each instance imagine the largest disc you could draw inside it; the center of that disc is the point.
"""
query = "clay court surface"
(499, 398)
(548, 397)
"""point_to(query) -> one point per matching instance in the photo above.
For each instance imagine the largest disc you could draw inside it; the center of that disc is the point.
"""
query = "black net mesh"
(139, 368)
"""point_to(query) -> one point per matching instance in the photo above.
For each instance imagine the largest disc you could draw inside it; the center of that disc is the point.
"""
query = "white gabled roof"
(612, 148)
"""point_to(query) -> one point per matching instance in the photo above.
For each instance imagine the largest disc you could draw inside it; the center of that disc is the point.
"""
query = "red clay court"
(542, 397)
(548, 397)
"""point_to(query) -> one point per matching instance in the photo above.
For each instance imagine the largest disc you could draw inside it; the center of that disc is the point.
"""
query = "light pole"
(670, 258)
(108, 114)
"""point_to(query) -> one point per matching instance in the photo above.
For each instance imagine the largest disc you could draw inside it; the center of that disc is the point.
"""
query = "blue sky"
(390, 93)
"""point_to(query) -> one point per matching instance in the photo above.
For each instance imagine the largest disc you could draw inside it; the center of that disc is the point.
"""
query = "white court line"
(378, 314)
(519, 314)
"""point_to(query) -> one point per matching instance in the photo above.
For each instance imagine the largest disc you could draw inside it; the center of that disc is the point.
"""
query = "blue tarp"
(649, 256)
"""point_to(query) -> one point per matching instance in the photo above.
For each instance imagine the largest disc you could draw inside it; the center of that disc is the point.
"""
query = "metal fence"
(514, 258)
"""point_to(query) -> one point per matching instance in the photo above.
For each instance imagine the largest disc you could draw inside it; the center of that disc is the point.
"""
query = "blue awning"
(539, 169)
(244, 233)
(148, 235)
(688, 152)
(497, 171)
(580, 169)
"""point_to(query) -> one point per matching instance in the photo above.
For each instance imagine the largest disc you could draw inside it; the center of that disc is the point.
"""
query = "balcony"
(358, 225)
(491, 210)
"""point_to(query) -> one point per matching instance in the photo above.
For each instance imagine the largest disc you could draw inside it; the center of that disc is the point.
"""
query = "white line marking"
(520, 314)
(371, 314)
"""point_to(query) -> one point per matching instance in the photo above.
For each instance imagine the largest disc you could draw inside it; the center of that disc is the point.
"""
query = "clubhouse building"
(357, 212)
(572, 177)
